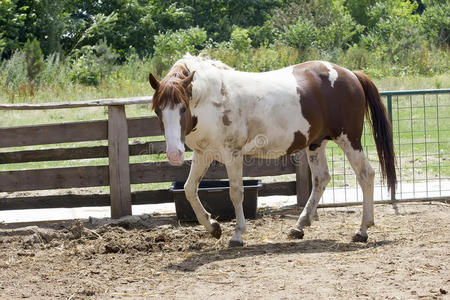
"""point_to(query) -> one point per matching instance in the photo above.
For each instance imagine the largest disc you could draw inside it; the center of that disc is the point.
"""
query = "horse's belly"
(269, 146)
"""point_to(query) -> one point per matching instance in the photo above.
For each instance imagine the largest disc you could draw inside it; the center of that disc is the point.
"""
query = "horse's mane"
(171, 92)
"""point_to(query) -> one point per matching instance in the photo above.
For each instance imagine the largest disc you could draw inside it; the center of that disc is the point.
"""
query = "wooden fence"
(119, 173)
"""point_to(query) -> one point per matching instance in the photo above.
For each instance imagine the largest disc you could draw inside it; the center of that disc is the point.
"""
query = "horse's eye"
(183, 109)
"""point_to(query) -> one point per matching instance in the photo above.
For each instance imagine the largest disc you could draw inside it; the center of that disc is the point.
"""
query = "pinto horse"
(223, 114)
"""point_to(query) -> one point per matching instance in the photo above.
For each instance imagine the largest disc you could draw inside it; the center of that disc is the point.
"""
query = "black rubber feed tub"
(215, 197)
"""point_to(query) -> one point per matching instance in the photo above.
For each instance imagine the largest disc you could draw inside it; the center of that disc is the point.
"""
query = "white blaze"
(172, 133)
(332, 73)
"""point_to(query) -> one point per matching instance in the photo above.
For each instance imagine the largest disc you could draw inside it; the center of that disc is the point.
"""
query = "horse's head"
(171, 104)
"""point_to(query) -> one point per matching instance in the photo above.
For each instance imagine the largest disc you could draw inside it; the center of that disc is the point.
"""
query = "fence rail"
(78, 104)
(390, 94)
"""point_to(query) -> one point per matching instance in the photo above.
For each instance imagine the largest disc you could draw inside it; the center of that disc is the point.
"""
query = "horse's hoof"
(234, 244)
(217, 231)
(361, 238)
(295, 233)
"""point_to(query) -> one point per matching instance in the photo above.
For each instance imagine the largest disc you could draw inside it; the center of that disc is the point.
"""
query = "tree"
(11, 24)
(34, 59)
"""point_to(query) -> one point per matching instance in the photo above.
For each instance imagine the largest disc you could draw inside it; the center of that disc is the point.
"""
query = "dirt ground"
(147, 257)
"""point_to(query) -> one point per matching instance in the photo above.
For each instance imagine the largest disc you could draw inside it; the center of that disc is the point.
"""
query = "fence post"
(389, 107)
(119, 168)
(303, 178)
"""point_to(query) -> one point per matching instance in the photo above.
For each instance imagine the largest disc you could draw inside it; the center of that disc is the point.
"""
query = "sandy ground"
(153, 257)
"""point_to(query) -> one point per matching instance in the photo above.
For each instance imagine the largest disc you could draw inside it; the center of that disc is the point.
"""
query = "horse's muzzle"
(176, 158)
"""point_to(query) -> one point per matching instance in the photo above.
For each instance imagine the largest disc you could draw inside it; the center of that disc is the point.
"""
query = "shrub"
(325, 25)
(14, 71)
(389, 21)
(436, 23)
(239, 39)
(356, 58)
(301, 35)
(264, 58)
(92, 63)
(172, 45)
(34, 59)
(265, 35)
(55, 71)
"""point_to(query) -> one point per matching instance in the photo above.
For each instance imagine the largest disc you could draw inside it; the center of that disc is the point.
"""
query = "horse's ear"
(153, 81)
(188, 79)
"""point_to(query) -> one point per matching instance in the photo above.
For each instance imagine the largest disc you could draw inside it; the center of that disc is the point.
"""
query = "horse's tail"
(382, 129)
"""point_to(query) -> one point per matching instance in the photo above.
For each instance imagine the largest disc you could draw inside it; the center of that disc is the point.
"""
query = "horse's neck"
(207, 86)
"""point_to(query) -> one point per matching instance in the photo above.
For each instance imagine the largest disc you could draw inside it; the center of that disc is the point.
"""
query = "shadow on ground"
(199, 259)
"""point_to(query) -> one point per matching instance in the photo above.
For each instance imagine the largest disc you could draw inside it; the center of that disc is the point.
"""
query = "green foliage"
(116, 42)
(14, 71)
(12, 20)
(50, 24)
(93, 63)
(34, 59)
(265, 35)
(358, 10)
(436, 23)
(254, 59)
(332, 28)
(56, 71)
(239, 39)
(100, 27)
(356, 58)
(301, 35)
(172, 45)
(396, 38)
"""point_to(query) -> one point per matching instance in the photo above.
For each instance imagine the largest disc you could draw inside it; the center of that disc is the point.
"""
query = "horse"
(223, 114)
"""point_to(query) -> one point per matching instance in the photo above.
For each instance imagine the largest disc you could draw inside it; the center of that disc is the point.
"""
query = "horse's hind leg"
(365, 175)
(321, 176)
(200, 164)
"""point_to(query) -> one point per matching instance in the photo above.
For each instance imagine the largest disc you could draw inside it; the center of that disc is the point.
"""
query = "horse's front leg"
(200, 164)
(234, 169)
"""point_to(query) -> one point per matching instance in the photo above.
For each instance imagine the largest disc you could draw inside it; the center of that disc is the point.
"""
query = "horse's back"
(273, 113)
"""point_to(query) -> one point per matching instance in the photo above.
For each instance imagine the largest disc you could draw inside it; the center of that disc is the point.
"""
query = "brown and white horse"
(224, 114)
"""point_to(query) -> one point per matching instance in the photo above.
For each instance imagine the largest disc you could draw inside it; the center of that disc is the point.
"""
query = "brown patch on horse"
(316, 181)
(226, 121)
(298, 143)
(224, 90)
(310, 98)
(194, 123)
(187, 122)
(327, 108)
(158, 114)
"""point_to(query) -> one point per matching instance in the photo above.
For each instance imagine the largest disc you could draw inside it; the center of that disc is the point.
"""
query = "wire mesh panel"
(421, 127)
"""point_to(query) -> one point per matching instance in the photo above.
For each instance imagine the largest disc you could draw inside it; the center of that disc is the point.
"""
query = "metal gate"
(421, 127)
